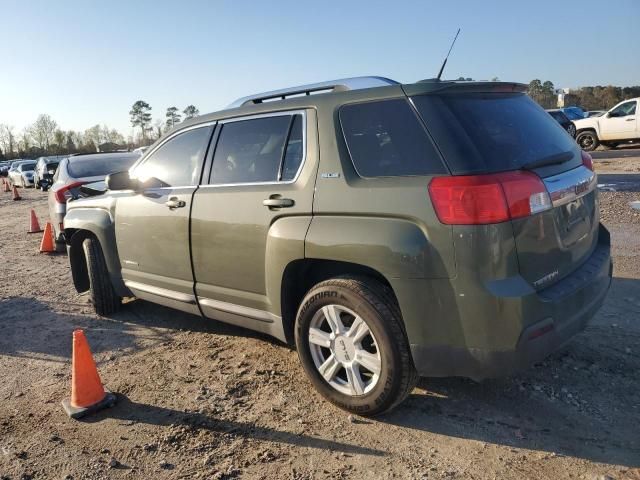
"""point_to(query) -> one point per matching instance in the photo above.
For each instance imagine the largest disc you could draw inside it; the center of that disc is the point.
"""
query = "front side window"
(624, 109)
(385, 139)
(259, 150)
(177, 162)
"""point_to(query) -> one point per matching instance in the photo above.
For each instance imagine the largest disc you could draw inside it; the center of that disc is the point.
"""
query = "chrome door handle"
(630, 119)
(278, 202)
(173, 202)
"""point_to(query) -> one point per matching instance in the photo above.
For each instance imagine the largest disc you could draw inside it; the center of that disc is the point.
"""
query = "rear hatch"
(484, 133)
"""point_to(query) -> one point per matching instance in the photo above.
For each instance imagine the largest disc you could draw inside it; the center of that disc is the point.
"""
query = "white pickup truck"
(619, 125)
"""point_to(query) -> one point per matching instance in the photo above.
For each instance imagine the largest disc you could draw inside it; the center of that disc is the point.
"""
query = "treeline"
(587, 98)
(44, 137)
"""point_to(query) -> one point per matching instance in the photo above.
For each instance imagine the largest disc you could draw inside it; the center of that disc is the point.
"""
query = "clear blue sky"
(86, 62)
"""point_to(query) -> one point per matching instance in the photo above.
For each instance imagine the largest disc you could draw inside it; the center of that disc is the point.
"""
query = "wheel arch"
(301, 275)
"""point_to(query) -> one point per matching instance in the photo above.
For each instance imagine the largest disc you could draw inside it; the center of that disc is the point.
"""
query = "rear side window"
(178, 161)
(259, 150)
(491, 132)
(385, 139)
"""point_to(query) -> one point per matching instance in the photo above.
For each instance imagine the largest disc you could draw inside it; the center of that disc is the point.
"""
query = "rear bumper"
(549, 319)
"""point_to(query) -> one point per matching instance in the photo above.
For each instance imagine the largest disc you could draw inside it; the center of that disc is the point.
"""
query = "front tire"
(104, 299)
(353, 347)
(588, 140)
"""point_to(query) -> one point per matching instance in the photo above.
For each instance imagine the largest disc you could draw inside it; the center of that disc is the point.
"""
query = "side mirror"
(121, 181)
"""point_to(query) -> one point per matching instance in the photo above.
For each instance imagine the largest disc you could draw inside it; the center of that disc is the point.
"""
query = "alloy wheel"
(344, 350)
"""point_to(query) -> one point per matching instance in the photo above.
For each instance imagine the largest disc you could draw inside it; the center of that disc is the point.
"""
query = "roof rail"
(354, 83)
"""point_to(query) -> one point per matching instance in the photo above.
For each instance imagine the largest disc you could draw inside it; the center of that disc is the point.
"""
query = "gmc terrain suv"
(387, 230)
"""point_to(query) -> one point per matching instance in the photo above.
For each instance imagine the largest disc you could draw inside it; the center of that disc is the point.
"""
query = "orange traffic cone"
(35, 226)
(47, 245)
(87, 393)
(16, 195)
(6, 186)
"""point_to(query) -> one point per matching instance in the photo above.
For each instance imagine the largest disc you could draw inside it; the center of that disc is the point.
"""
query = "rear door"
(152, 226)
(262, 177)
(620, 123)
(482, 133)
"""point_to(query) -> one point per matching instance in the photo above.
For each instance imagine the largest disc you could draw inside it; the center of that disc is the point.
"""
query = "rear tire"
(588, 140)
(104, 299)
(367, 370)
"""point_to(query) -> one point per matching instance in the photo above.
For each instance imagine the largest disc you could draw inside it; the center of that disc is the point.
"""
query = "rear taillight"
(587, 160)
(64, 193)
(484, 199)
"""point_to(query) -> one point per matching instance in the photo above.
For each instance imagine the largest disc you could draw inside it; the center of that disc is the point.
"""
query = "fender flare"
(82, 222)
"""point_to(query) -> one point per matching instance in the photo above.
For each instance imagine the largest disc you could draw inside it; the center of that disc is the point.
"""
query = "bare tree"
(42, 131)
(93, 135)
(24, 140)
(7, 140)
(157, 128)
(59, 140)
(112, 135)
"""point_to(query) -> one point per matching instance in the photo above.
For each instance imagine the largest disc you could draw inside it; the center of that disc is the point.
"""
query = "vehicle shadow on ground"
(127, 410)
(581, 401)
(30, 328)
(151, 315)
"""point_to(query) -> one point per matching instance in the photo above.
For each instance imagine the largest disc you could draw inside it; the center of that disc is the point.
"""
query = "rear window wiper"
(554, 159)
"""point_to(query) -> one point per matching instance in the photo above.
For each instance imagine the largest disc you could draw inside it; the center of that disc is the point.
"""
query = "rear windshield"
(27, 167)
(94, 166)
(491, 132)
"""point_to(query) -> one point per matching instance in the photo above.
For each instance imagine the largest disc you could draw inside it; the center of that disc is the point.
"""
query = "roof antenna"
(447, 57)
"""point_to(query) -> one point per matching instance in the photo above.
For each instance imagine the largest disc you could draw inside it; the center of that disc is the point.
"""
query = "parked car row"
(611, 128)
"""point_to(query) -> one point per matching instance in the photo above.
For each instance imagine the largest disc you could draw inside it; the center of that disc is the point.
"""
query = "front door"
(152, 226)
(620, 123)
(262, 178)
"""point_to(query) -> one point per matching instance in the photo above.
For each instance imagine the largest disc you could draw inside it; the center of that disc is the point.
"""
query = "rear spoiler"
(437, 86)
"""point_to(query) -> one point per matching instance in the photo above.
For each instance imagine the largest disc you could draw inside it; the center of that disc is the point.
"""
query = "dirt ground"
(199, 399)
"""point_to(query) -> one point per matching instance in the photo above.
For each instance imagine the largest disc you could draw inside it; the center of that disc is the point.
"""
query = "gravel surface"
(199, 399)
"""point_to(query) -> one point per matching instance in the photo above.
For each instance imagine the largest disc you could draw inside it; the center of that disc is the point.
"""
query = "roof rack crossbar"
(354, 83)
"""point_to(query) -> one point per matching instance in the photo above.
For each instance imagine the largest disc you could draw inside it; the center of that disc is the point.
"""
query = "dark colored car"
(77, 170)
(560, 117)
(386, 230)
(573, 113)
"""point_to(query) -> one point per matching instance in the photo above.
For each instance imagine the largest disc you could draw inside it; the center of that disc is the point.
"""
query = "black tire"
(104, 299)
(376, 306)
(587, 140)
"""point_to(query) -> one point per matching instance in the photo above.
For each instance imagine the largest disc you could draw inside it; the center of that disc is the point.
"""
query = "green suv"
(388, 230)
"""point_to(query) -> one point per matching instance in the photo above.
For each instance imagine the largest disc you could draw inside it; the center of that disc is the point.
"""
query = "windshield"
(100, 165)
(28, 167)
(491, 132)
